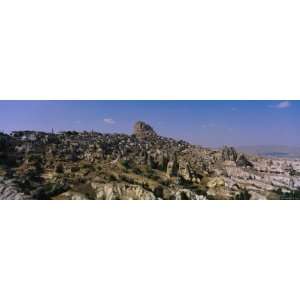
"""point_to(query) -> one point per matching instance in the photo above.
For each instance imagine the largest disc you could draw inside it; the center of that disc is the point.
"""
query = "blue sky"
(208, 123)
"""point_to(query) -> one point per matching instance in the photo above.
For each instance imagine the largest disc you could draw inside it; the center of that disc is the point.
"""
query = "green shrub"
(59, 168)
(242, 195)
(125, 163)
(293, 195)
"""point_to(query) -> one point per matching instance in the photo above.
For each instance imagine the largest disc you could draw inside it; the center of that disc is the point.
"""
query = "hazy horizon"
(206, 123)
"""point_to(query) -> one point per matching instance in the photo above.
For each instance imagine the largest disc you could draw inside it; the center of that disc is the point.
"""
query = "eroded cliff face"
(144, 165)
(9, 190)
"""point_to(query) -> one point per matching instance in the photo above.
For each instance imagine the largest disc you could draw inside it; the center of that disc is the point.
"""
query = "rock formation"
(172, 168)
(8, 190)
(242, 161)
(144, 165)
(143, 130)
(229, 153)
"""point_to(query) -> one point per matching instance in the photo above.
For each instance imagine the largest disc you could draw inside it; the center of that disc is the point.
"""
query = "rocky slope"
(144, 165)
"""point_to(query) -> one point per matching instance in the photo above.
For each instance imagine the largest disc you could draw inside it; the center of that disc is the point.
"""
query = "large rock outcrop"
(142, 130)
(117, 191)
(229, 153)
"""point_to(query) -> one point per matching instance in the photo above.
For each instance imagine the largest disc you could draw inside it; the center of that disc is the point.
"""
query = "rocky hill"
(144, 165)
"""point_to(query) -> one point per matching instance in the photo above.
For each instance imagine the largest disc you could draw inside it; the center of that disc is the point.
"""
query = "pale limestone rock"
(8, 191)
(185, 194)
(118, 191)
(172, 168)
(185, 171)
(216, 182)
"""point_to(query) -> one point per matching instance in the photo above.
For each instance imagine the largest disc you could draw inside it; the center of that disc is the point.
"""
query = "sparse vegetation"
(293, 195)
(242, 195)
(125, 163)
(142, 165)
(59, 168)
